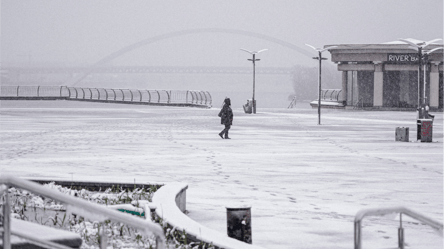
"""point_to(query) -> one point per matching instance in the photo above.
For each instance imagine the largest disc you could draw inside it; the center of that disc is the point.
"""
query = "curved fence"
(173, 97)
(331, 95)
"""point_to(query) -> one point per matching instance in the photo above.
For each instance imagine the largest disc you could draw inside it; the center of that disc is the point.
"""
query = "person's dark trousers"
(224, 132)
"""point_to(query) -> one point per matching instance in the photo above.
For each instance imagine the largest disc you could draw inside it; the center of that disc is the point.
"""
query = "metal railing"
(74, 205)
(331, 95)
(392, 210)
(109, 95)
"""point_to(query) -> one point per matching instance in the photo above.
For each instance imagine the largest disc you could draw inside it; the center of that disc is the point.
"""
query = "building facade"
(386, 75)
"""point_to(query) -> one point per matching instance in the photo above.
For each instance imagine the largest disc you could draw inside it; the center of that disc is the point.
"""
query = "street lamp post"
(254, 71)
(422, 58)
(319, 50)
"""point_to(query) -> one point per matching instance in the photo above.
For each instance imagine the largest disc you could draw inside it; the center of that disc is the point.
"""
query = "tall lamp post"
(319, 50)
(422, 57)
(254, 71)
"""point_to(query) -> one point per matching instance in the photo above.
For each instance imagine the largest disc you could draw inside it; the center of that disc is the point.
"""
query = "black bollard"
(239, 223)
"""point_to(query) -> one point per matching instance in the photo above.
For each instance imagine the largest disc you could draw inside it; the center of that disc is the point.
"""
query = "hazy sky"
(84, 31)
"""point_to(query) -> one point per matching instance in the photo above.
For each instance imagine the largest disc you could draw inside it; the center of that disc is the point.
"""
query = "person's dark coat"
(226, 114)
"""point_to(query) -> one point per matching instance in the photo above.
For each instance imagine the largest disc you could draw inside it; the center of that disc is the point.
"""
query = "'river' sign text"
(402, 58)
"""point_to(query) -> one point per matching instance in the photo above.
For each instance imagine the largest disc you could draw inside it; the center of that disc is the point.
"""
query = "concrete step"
(45, 233)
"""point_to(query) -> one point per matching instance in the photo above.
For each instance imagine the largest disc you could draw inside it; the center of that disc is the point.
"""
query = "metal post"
(352, 89)
(149, 96)
(168, 96)
(254, 73)
(6, 222)
(103, 237)
(357, 234)
(158, 242)
(211, 99)
(123, 94)
(205, 97)
(419, 75)
(400, 233)
(319, 90)
(424, 101)
(200, 96)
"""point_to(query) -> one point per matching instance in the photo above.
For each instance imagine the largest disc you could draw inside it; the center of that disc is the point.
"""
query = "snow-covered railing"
(331, 95)
(393, 210)
(136, 96)
(170, 205)
(74, 205)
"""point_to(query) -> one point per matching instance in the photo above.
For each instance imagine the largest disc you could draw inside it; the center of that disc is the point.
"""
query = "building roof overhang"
(378, 52)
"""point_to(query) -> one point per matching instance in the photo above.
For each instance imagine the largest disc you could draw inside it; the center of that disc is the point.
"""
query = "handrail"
(173, 97)
(211, 99)
(384, 211)
(332, 93)
(131, 92)
(81, 207)
(39, 242)
(123, 94)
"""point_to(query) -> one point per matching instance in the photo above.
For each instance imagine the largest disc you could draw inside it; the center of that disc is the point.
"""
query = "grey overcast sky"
(73, 32)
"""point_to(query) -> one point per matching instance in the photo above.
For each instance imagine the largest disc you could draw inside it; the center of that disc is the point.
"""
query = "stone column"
(434, 84)
(378, 84)
(344, 87)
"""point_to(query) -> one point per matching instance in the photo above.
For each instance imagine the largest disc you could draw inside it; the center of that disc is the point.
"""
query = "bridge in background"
(16, 71)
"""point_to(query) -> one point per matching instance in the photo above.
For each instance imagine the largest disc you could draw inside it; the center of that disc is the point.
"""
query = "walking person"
(226, 118)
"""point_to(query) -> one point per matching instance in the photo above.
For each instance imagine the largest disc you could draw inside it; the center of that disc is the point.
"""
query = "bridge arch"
(147, 41)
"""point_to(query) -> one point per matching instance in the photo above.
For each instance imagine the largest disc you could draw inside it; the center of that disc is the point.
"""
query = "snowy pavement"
(304, 182)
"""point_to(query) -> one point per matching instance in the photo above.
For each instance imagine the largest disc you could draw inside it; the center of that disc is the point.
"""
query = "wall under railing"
(130, 96)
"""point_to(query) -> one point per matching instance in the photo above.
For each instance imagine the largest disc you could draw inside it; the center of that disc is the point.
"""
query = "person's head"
(227, 101)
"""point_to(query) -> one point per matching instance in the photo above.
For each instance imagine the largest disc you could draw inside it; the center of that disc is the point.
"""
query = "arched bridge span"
(147, 41)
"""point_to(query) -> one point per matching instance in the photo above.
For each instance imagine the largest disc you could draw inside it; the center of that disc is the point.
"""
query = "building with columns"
(385, 76)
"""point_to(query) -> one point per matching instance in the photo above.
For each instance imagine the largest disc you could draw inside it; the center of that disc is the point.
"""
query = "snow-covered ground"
(304, 182)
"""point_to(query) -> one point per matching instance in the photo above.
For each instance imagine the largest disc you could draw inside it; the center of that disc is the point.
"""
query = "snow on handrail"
(392, 210)
(174, 97)
(85, 208)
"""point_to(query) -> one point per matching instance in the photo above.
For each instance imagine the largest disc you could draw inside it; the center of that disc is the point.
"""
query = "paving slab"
(305, 182)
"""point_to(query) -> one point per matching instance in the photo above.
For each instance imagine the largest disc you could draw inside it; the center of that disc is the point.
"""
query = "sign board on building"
(402, 58)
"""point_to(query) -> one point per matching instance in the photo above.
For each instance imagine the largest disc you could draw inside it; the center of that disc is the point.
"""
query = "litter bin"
(239, 223)
(424, 130)
(248, 107)
(402, 134)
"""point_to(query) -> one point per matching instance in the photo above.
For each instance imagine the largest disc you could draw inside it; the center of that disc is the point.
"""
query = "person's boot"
(220, 135)
(226, 136)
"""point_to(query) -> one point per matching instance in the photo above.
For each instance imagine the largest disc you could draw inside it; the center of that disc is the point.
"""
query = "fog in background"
(82, 32)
